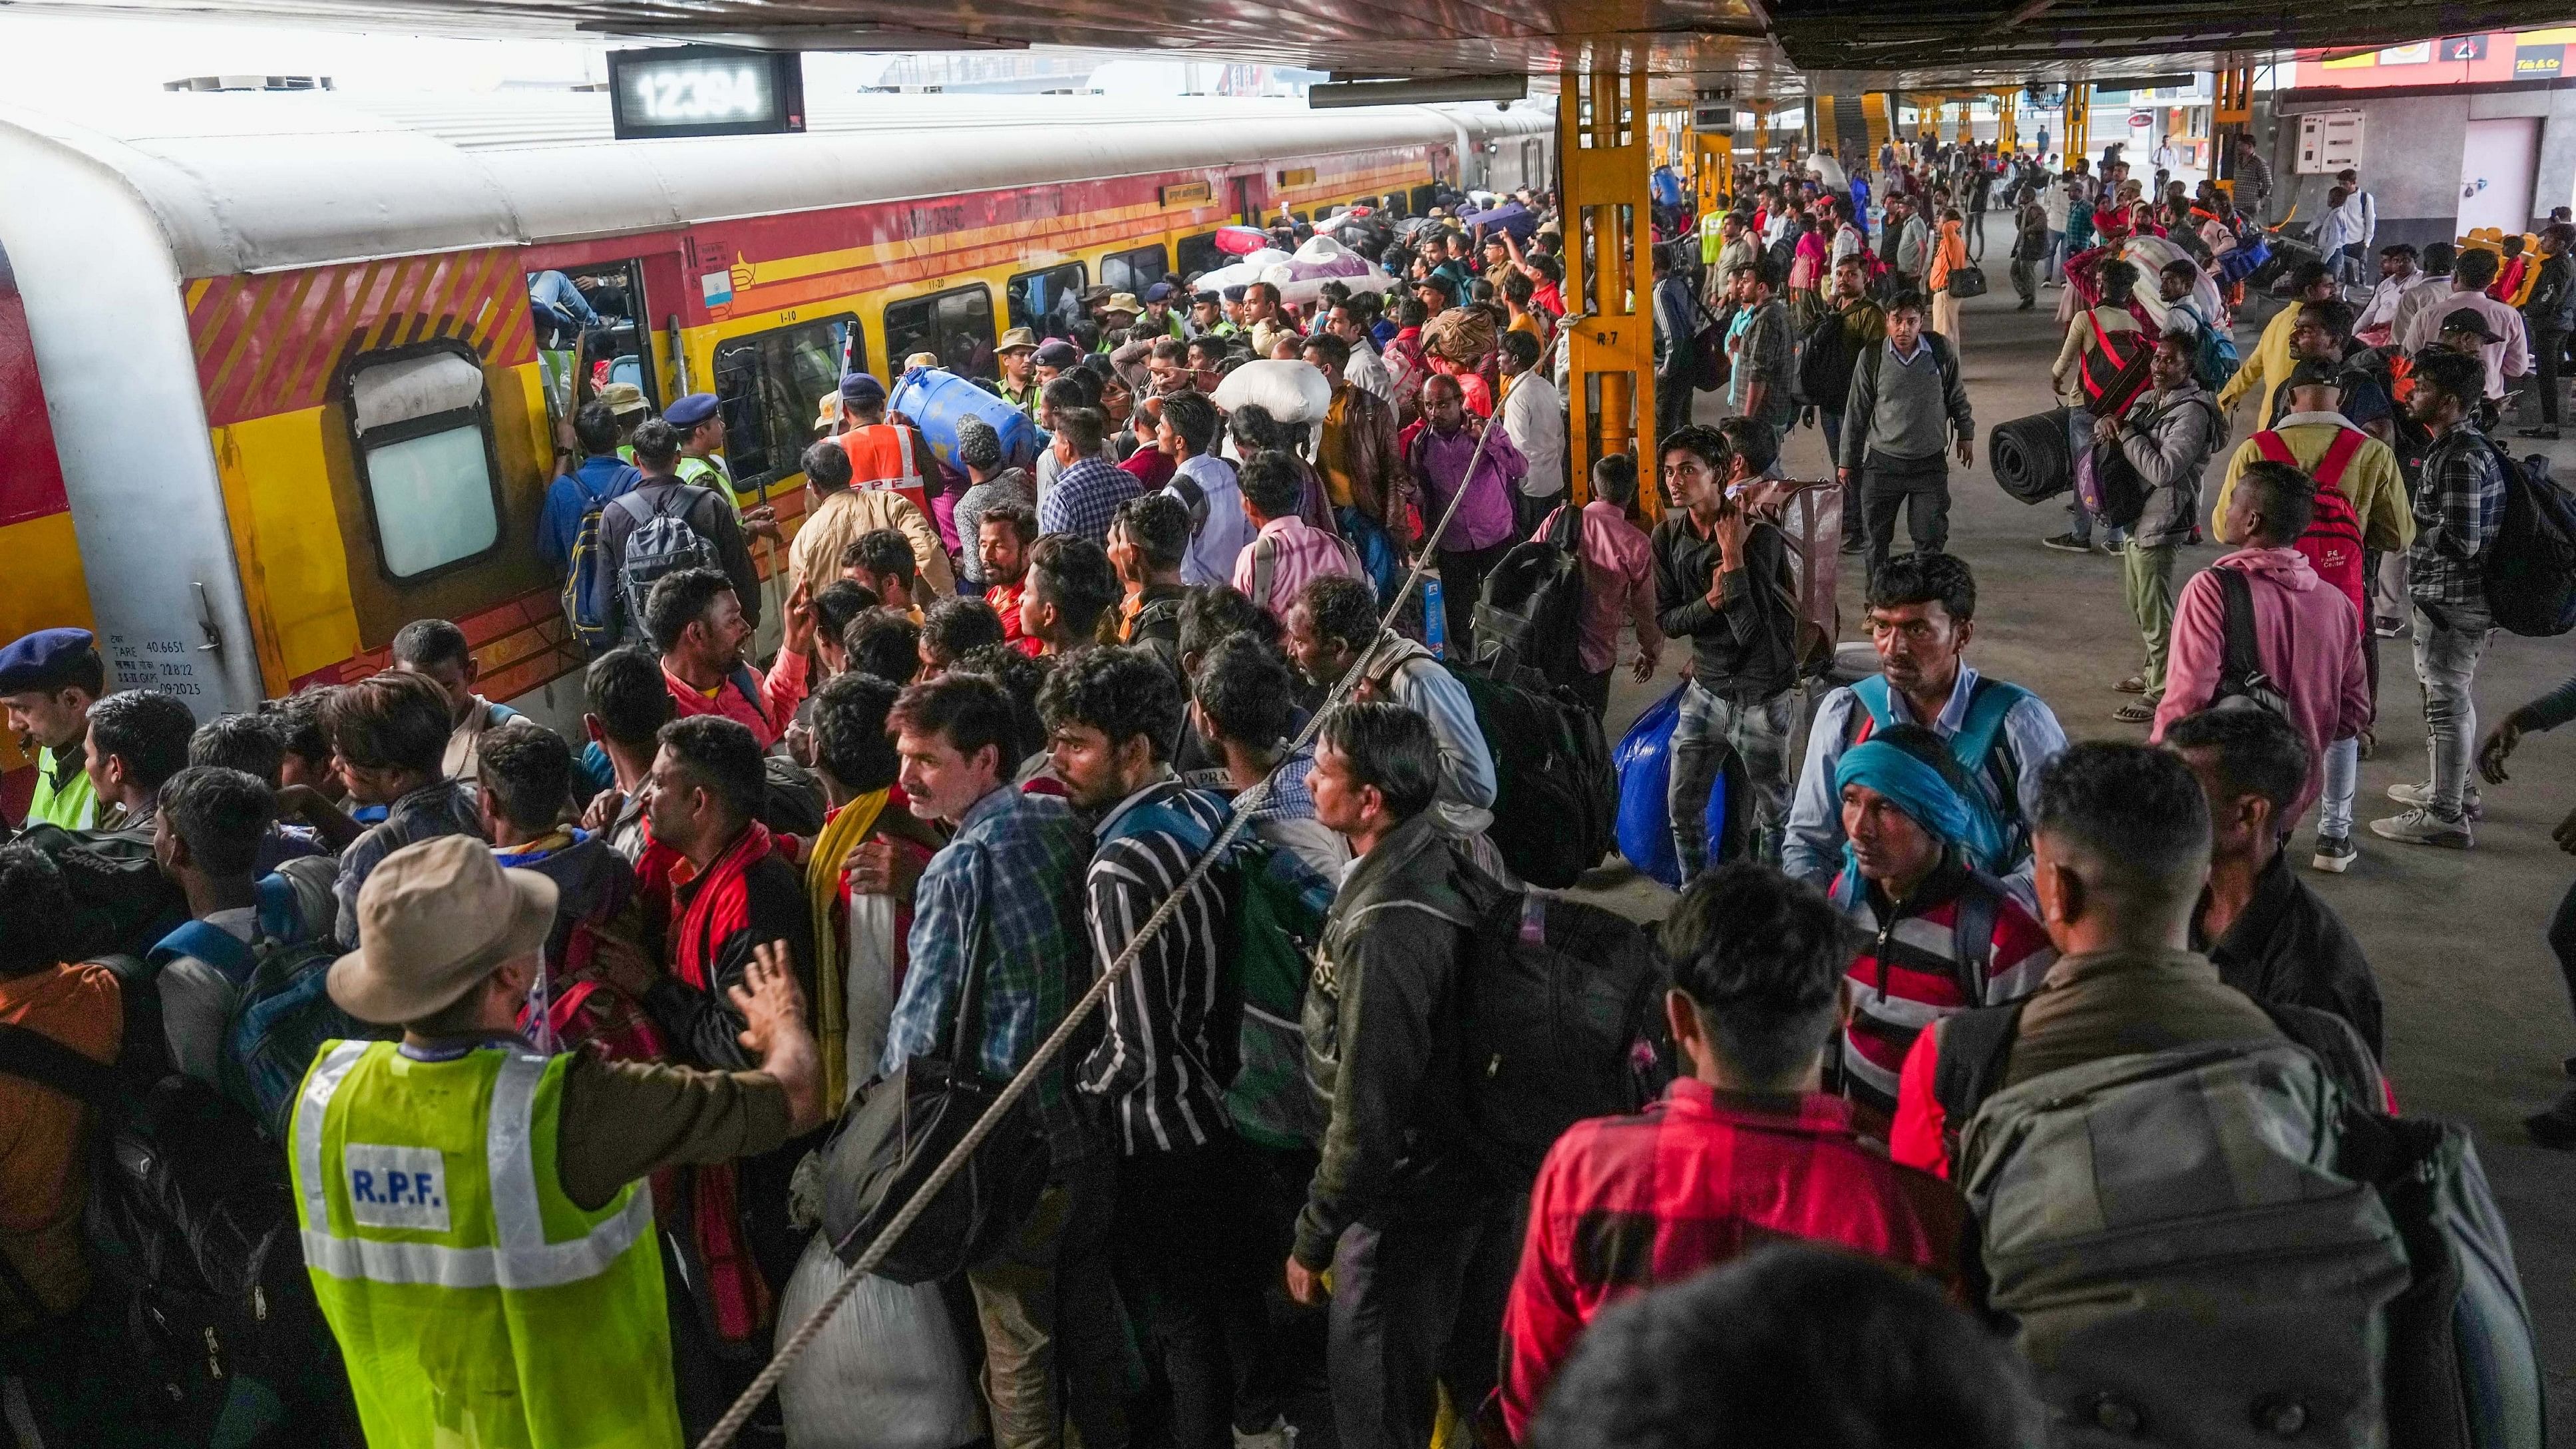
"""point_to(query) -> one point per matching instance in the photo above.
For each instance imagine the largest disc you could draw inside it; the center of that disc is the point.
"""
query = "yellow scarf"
(841, 834)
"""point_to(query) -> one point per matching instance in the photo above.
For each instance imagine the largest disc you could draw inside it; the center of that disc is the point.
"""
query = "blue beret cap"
(1059, 354)
(44, 659)
(1159, 292)
(690, 411)
(862, 388)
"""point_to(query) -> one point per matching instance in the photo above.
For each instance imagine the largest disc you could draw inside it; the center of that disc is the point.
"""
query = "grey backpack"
(661, 544)
(2229, 1245)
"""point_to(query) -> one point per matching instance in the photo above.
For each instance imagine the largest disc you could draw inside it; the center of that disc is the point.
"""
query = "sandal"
(2134, 684)
(2135, 712)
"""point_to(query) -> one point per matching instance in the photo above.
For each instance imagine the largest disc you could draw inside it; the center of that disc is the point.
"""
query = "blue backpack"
(2214, 359)
(282, 1013)
(589, 592)
(1978, 750)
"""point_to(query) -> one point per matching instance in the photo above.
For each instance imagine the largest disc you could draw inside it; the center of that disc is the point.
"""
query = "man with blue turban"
(1937, 934)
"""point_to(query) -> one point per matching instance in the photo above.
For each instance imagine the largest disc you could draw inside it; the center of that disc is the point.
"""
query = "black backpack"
(2530, 567)
(1564, 1021)
(192, 1237)
(1530, 615)
(2242, 681)
(1555, 795)
(121, 902)
(1826, 358)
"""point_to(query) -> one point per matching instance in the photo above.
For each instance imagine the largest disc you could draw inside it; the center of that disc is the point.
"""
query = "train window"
(771, 384)
(593, 329)
(1200, 254)
(426, 460)
(956, 324)
(1393, 205)
(1424, 198)
(1048, 302)
(1135, 269)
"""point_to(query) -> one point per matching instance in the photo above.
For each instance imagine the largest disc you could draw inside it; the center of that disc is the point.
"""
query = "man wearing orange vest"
(889, 463)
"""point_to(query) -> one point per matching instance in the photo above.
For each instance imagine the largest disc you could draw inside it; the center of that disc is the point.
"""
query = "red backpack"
(2333, 540)
(2114, 371)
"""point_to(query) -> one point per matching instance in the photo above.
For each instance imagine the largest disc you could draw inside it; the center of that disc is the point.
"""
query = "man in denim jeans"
(1722, 581)
(2459, 502)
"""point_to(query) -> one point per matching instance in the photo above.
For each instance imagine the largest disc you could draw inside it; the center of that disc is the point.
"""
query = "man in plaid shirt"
(1004, 900)
(1743, 1151)
(2459, 503)
(1087, 488)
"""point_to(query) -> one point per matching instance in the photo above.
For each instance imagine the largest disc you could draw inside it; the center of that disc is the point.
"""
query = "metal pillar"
(1609, 277)
(2231, 114)
(2007, 132)
(2079, 121)
(1716, 170)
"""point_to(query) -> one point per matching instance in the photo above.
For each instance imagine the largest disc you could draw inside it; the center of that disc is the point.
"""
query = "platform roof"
(1751, 48)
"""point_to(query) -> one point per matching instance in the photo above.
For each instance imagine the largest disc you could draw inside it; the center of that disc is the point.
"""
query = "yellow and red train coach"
(271, 385)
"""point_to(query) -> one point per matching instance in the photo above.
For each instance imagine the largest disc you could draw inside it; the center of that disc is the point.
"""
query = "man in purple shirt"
(1443, 447)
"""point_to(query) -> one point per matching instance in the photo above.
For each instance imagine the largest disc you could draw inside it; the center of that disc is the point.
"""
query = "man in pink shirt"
(2306, 635)
(1439, 451)
(1618, 578)
(697, 625)
(1287, 550)
(2504, 345)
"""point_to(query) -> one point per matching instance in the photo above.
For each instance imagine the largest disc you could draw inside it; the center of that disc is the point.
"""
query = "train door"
(594, 329)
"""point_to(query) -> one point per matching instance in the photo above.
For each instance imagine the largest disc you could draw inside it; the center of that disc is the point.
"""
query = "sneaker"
(2421, 796)
(2068, 543)
(1280, 1435)
(2550, 434)
(2334, 855)
(2555, 1124)
(2420, 826)
(2388, 628)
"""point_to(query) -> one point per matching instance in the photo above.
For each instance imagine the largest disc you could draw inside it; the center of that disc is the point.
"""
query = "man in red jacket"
(1743, 1151)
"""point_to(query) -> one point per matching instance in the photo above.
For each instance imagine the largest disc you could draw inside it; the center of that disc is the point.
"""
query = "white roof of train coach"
(265, 181)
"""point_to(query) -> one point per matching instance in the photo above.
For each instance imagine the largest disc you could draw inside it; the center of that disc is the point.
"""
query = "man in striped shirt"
(1938, 935)
(1183, 1237)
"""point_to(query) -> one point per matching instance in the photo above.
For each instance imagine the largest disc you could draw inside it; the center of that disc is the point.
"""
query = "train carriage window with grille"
(1135, 269)
(427, 464)
(1047, 302)
(957, 325)
(772, 383)
(1200, 254)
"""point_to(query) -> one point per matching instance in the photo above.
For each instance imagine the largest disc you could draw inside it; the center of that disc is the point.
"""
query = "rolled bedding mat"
(2030, 456)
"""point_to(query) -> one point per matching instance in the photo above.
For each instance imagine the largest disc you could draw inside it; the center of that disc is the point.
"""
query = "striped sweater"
(1908, 974)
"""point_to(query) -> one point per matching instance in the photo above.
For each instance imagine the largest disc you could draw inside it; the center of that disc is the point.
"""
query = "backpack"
(2214, 358)
(1710, 367)
(2114, 370)
(2344, 1277)
(1554, 793)
(2332, 543)
(190, 1230)
(121, 901)
(2242, 681)
(662, 543)
(589, 600)
(1564, 1020)
(282, 1014)
(1825, 361)
(2530, 567)
(1530, 615)
(1977, 749)
(1275, 909)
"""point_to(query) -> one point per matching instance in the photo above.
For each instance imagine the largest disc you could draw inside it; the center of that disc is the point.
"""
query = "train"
(272, 386)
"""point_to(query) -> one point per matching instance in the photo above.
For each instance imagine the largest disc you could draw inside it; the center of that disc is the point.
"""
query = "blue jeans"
(2449, 639)
(1377, 551)
(2343, 779)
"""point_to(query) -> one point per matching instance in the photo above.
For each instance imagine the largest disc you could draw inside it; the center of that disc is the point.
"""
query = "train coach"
(273, 386)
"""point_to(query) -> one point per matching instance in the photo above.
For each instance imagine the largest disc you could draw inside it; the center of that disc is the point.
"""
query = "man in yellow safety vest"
(48, 681)
(473, 1216)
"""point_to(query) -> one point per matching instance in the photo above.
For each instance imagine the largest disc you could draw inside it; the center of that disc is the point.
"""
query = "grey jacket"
(2168, 437)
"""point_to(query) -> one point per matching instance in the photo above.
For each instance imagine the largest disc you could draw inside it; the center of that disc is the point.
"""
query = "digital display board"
(705, 90)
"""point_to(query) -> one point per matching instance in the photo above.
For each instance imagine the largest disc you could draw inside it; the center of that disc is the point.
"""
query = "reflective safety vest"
(476, 1305)
(711, 473)
(74, 804)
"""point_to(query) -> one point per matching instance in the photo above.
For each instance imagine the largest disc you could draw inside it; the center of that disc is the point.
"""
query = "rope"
(1025, 1079)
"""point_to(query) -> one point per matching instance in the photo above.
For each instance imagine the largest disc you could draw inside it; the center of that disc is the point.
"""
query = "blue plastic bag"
(1644, 764)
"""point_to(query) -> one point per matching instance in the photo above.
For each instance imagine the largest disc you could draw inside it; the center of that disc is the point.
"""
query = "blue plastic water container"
(936, 401)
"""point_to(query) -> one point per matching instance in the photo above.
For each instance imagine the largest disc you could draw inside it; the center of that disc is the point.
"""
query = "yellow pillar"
(1716, 153)
(2231, 114)
(1609, 276)
(2007, 129)
(2079, 120)
(1881, 115)
(1761, 132)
